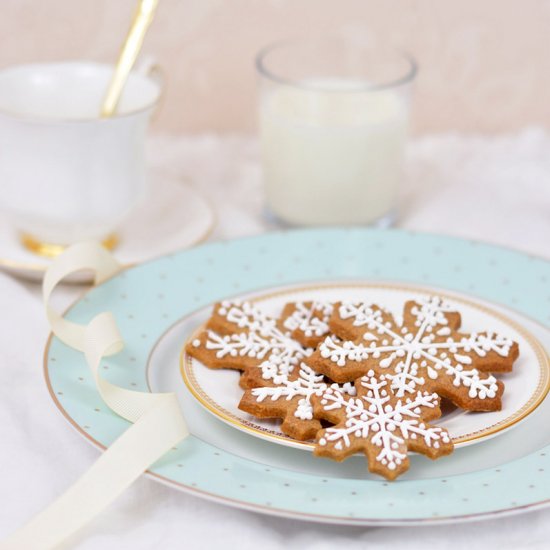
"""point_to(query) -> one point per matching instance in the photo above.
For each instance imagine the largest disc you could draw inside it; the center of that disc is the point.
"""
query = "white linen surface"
(495, 189)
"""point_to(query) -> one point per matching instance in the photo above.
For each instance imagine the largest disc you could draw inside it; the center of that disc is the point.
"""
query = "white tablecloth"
(495, 189)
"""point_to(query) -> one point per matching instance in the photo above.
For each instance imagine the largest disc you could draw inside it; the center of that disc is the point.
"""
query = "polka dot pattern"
(147, 299)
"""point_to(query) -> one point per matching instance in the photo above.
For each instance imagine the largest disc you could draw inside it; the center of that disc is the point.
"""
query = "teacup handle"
(149, 67)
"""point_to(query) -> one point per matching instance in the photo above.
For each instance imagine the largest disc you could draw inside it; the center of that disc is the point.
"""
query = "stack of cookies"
(353, 379)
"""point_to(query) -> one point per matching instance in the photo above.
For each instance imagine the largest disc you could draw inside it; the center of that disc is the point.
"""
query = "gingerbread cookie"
(307, 322)
(426, 352)
(241, 337)
(380, 425)
(287, 396)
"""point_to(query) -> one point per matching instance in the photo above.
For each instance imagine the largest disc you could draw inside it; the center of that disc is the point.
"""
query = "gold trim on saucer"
(34, 271)
(536, 398)
(51, 250)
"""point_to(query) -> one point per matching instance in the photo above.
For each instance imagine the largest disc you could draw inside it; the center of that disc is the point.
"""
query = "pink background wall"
(485, 64)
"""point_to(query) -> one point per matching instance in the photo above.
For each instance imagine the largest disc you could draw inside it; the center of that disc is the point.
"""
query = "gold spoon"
(128, 55)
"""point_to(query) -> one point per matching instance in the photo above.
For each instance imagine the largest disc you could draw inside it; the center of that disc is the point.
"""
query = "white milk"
(332, 156)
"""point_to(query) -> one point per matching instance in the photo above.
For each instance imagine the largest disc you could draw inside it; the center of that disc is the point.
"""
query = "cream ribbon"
(157, 420)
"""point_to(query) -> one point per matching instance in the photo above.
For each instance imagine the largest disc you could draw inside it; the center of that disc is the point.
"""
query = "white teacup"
(66, 174)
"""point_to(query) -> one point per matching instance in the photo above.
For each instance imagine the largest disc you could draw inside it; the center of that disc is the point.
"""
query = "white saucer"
(173, 216)
(218, 391)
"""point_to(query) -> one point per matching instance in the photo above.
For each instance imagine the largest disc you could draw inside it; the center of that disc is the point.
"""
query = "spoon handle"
(128, 55)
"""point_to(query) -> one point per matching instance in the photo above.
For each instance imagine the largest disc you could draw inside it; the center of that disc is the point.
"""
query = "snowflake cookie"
(425, 352)
(379, 424)
(308, 322)
(239, 336)
(287, 396)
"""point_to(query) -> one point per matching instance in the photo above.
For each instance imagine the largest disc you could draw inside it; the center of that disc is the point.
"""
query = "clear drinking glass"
(333, 116)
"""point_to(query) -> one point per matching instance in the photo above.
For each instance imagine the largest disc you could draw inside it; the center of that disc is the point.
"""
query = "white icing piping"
(391, 424)
(303, 318)
(307, 384)
(416, 347)
(263, 340)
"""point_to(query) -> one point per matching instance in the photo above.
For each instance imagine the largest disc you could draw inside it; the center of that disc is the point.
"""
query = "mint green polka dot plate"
(157, 305)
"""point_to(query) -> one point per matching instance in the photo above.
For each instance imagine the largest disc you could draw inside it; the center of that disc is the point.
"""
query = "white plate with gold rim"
(525, 388)
(172, 216)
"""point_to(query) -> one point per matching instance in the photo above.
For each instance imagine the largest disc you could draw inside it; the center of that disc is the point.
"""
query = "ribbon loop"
(158, 421)
(79, 257)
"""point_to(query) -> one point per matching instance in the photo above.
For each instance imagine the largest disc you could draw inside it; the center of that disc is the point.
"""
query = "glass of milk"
(333, 117)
